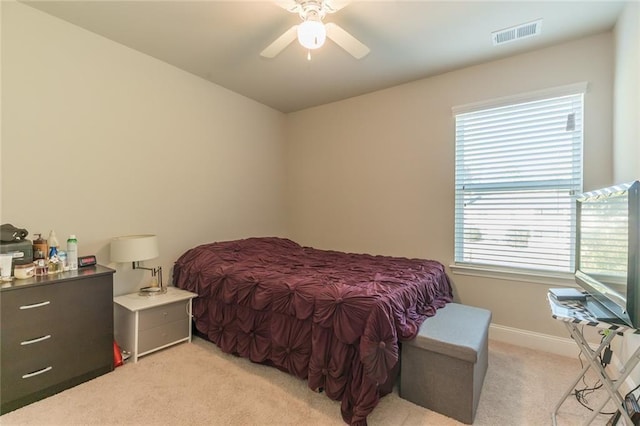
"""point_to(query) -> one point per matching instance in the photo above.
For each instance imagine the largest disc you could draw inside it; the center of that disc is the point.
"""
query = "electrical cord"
(632, 391)
(582, 394)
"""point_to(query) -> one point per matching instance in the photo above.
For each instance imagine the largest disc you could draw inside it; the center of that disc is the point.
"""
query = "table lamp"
(134, 249)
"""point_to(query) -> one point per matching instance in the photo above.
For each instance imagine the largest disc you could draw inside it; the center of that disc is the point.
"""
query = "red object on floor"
(117, 355)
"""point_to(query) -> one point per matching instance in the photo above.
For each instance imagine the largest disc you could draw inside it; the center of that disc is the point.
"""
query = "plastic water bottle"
(53, 244)
(62, 257)
(72, 252)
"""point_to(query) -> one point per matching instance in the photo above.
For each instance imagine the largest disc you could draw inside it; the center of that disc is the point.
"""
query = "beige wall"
(375, 173)
(626, 148)
(100, 140)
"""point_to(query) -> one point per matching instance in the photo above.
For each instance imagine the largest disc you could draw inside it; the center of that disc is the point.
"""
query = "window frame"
(518, 273)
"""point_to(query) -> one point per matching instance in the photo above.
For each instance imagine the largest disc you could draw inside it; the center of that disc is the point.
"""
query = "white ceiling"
(221, 41)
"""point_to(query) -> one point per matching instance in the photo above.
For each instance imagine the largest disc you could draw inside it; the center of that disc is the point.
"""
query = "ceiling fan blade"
(280, 43)
(346, 41)
(289, 5)
(336, 5)
(294, 6)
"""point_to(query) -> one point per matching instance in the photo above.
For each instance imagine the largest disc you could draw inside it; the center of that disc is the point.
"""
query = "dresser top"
(81, 273)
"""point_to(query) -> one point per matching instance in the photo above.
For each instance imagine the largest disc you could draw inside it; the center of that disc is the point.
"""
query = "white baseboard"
(532, 340)
(552, 344)
(614, 369)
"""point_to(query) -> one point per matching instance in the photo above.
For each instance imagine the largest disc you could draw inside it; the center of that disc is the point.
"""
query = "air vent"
(518, 32)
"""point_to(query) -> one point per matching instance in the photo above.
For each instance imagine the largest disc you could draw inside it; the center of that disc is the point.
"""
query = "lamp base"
(152, 291)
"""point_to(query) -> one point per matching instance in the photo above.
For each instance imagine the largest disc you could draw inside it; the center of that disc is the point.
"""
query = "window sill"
(530, 276)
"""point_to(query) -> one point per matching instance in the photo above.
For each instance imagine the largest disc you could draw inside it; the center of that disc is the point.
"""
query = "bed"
(332, 318)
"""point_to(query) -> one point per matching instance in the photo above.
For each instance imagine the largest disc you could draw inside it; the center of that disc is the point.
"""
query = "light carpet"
(196, 384)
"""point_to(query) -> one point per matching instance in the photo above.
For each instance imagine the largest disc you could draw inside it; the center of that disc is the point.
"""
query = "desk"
(573, 315)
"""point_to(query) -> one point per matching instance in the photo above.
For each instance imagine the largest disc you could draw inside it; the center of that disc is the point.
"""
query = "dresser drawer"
(30, 335)
(30, 299)
(30, 309)
(27, 354)
(35, 310)
(165, 334)
(79, 353)
(164, 314)
(32, 376)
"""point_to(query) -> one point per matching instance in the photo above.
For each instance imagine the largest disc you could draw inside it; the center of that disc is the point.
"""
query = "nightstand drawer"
(163, 335)
(164, 314)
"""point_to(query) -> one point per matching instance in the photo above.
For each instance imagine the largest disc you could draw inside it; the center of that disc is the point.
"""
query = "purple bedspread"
(332, 318)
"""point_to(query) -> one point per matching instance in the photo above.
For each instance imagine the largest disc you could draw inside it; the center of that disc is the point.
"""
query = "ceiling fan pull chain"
(309, 55)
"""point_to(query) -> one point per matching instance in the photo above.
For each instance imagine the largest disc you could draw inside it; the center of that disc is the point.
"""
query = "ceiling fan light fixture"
(312, 34)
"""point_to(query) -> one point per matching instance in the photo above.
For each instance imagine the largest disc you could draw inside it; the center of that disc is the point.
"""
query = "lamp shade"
(312, 34)
(133, 248)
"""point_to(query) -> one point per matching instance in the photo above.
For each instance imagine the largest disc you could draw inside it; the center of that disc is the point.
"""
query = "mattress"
(335, 319)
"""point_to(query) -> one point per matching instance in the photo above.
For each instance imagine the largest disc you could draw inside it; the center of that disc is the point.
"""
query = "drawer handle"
(35, 373)
(36, 340)
(35, 305)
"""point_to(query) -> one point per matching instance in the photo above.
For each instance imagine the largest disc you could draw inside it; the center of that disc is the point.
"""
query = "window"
(518, 171)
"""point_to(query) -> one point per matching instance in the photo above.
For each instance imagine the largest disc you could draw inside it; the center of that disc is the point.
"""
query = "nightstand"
(145, 324)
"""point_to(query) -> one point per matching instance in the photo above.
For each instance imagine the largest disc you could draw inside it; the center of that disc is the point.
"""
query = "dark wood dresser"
(56, 332)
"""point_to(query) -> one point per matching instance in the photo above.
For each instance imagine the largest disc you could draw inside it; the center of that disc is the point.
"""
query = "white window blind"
(518, 171)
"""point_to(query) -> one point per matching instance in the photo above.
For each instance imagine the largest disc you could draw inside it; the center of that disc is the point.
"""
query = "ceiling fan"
(312, 32)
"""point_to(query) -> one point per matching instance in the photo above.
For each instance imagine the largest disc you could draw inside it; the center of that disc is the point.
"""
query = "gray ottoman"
(443, 368)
